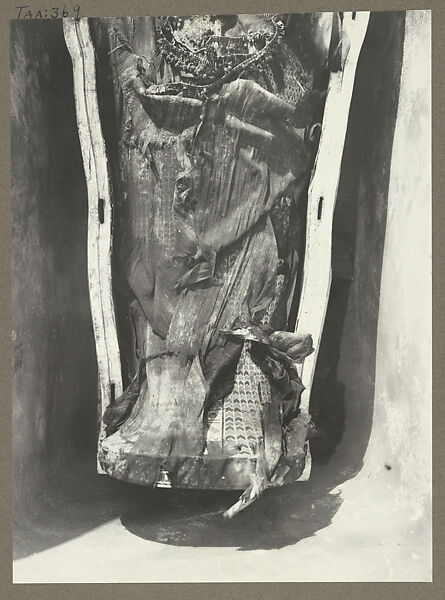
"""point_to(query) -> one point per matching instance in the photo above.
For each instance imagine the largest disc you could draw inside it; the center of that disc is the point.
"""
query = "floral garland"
(215, 57)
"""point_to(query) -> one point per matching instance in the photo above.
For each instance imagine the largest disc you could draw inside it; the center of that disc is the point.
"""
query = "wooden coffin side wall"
(321, 204)
(322, 196)
(79, 44)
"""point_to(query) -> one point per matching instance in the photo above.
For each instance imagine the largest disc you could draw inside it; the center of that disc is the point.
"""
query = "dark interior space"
(57, 494)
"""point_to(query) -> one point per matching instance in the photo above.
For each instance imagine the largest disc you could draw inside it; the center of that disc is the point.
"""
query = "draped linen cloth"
(210, 245)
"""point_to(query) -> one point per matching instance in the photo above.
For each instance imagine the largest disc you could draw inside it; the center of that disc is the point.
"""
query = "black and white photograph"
(222, 297)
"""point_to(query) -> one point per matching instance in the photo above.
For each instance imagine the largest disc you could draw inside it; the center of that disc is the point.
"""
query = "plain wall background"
(54, 414)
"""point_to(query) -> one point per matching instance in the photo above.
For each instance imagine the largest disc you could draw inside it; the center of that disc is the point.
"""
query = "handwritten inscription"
(58, 12)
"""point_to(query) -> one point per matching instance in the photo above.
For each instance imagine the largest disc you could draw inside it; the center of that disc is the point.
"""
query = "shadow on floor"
(183, 518)
(180, 517)
(280, 518)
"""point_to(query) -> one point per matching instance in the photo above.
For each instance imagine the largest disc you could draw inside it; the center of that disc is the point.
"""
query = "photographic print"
(222, 297)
